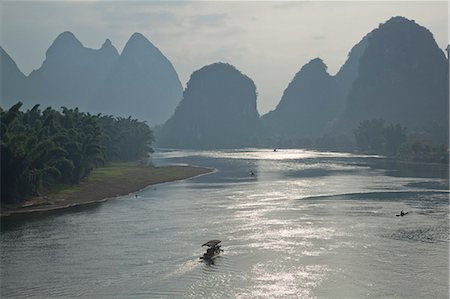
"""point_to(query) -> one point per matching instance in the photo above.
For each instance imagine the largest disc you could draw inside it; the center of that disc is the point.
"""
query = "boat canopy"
(212, 243)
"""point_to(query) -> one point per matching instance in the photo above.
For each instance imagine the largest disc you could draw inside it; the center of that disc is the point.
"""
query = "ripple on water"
(423, 234)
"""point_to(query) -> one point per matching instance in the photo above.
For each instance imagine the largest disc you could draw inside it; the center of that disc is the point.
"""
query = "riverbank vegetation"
(373, 136)
(109, 181)
(43, 149)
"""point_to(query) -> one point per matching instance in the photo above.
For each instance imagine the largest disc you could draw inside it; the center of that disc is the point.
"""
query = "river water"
(306, 225)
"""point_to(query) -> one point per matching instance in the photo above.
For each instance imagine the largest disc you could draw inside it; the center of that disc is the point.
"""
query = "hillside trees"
(39, 148)
(373, 136)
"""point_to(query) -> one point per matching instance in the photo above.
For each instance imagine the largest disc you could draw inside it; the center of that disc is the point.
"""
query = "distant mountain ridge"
(396, 72)
(140, 82)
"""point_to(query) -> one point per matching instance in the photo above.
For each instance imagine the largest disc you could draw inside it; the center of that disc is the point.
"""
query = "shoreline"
(103, 184)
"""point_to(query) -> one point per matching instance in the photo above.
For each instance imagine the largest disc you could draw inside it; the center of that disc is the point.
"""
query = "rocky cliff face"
(140, 82)
(218, 110)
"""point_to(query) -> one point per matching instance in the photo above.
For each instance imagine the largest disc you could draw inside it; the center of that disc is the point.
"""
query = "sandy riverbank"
(104, 183)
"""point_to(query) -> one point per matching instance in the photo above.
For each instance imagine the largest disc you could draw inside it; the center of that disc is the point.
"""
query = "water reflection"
(412, 169)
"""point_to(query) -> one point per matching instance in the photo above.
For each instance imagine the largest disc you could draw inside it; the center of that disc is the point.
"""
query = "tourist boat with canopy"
(213, 249)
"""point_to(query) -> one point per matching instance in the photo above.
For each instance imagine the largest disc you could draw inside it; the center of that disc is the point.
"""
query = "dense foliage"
(424, 152)
(374, 137)
(39, 148)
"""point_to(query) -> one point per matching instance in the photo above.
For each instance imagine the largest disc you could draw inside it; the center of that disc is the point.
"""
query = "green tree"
(395, 136)
(40, 148)
(370, 135)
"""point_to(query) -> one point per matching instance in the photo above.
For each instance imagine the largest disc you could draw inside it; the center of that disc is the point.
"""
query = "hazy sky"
(268, 41)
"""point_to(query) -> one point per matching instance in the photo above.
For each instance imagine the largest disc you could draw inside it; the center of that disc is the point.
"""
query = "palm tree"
(39, 148)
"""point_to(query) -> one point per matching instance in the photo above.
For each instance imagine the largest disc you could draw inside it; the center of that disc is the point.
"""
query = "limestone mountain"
(307, 104)
(143, 80)
(348, 73)
(70, 73)
(140, 82)
(12, 80)
(218, 110)
(313, 99)
(403, 77)
(396, 73)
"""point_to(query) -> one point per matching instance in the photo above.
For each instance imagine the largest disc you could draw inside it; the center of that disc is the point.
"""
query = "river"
(305, 225)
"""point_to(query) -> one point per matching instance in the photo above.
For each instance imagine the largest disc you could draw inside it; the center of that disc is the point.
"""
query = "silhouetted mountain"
(218, 110)
(396, 72)
(348, 73)
(313, 99)
(307, 105)
(403, 77)
(12, 80)
(70, 74)
(142, 83)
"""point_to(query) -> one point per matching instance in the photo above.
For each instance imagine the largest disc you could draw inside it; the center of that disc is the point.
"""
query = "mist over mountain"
(403, 77)
(140, 82)
(218, 110)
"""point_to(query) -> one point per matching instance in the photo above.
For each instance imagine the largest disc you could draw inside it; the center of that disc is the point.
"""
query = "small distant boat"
(213, 249)
(402, 213)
